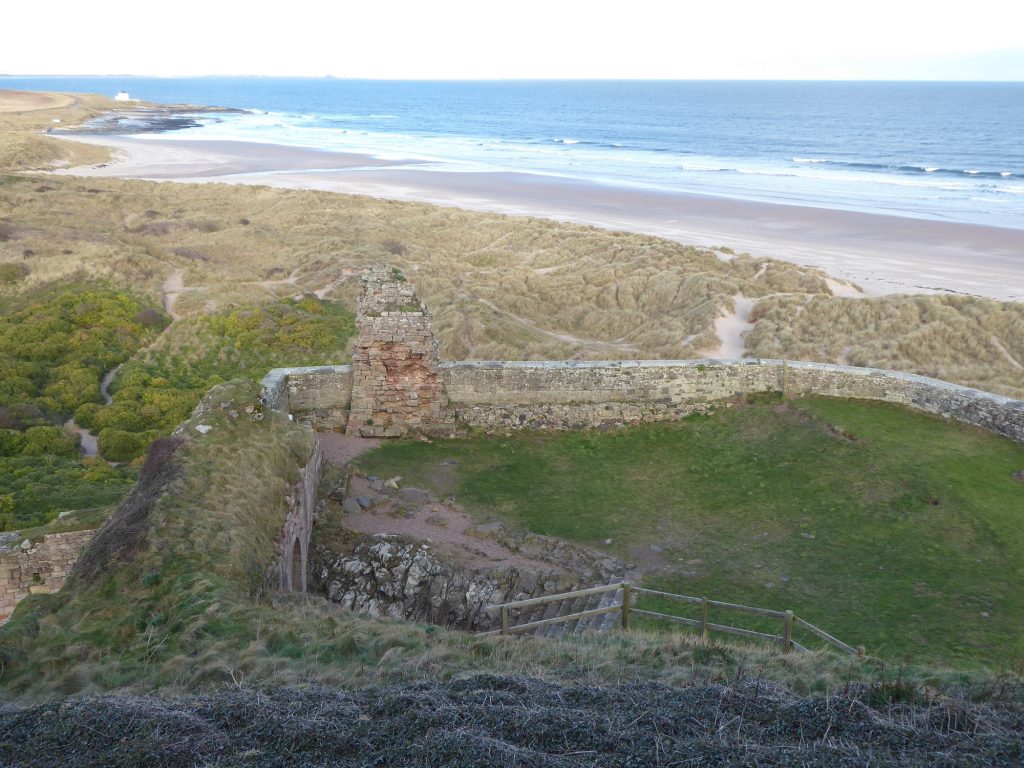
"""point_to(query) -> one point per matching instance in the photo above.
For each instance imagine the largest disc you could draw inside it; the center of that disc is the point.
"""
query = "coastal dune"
(882, 254)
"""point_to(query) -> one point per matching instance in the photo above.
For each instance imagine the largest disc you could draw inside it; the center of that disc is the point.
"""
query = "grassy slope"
(957, 338)
(888, 528)
(173, 608)
(23, 117)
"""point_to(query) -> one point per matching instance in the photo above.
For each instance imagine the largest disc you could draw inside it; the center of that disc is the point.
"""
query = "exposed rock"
(350, 506)
(387, 576)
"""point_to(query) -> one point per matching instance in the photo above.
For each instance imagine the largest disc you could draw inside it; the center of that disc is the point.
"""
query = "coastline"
(883, 254)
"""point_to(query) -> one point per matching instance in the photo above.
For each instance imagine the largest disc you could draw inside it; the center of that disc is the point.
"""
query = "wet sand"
(881, 253)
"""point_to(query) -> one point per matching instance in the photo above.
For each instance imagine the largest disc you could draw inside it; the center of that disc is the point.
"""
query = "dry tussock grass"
(970, 340)
(23, 118)
(500, 287)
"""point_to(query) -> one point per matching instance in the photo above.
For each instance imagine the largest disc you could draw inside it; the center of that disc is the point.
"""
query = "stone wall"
(561, 395)
(396, 389)
(30, 567)
(582, 394)
(319, 396)
(289, 570)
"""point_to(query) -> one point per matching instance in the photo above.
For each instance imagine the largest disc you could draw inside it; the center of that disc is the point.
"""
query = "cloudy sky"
(469, 39)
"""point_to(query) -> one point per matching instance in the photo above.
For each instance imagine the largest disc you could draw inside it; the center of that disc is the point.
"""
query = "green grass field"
(888, 528)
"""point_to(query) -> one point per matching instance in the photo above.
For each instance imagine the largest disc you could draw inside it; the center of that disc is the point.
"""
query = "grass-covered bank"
(167, 597)
(889, 528)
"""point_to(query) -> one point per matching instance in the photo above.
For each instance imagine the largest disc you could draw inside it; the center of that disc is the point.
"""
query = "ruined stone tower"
(396, 389)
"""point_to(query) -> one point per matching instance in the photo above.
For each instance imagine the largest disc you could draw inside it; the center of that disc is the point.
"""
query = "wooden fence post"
(704, 619)
(787, 633)
(626, 598)
(504, 619)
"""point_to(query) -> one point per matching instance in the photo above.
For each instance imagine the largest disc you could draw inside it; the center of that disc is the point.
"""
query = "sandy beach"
(880, 253)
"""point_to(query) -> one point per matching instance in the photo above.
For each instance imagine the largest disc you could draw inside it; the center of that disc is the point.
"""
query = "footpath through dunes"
(487, 720)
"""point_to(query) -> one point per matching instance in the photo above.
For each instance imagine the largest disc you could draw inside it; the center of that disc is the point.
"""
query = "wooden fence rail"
(789, 619)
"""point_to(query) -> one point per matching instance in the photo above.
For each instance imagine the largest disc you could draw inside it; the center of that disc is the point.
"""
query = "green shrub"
(12, 442)
(52, 441)
(54, 351)
(160, 391)
(21, 416)
(85, 415)
(43, 486)
(120, 445)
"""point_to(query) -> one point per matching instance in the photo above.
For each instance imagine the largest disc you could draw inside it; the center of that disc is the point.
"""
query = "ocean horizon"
(943, 151)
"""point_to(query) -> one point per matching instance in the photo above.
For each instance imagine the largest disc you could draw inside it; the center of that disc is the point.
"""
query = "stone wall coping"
(915, 378)
(279, 375)
(596, 364)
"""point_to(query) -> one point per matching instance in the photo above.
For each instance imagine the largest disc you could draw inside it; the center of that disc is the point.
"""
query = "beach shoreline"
(883, 254)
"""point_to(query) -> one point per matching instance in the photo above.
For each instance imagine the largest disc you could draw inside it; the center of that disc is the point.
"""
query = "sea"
(952, 151)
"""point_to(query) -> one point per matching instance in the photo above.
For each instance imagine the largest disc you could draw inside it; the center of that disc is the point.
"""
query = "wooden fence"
(627, 611)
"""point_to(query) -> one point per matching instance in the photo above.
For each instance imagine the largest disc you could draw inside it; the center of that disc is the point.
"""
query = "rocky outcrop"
(452, 581)
(391, 576)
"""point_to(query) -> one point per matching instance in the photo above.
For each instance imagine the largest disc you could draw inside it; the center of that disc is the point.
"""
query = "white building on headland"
(122, 96)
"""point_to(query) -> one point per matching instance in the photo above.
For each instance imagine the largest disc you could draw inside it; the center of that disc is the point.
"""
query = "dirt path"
(417, 515)
(732, 329)
(591, 345)
(844, 289)
(87, 441)
(105, 384)
(445, 526)
(340, 449)
(172, 286)
(1006, 353)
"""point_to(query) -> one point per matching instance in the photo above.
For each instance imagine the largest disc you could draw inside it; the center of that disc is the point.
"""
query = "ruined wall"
(319, 396)
(396, 389)
(31, 567)
(289, 570)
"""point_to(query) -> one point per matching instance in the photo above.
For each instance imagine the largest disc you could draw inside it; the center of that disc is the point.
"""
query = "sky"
(478, 39)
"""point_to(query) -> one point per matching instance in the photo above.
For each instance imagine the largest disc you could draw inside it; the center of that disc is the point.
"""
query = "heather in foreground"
(505, 721)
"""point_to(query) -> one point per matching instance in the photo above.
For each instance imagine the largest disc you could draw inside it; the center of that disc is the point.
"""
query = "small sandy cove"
(882, 254)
